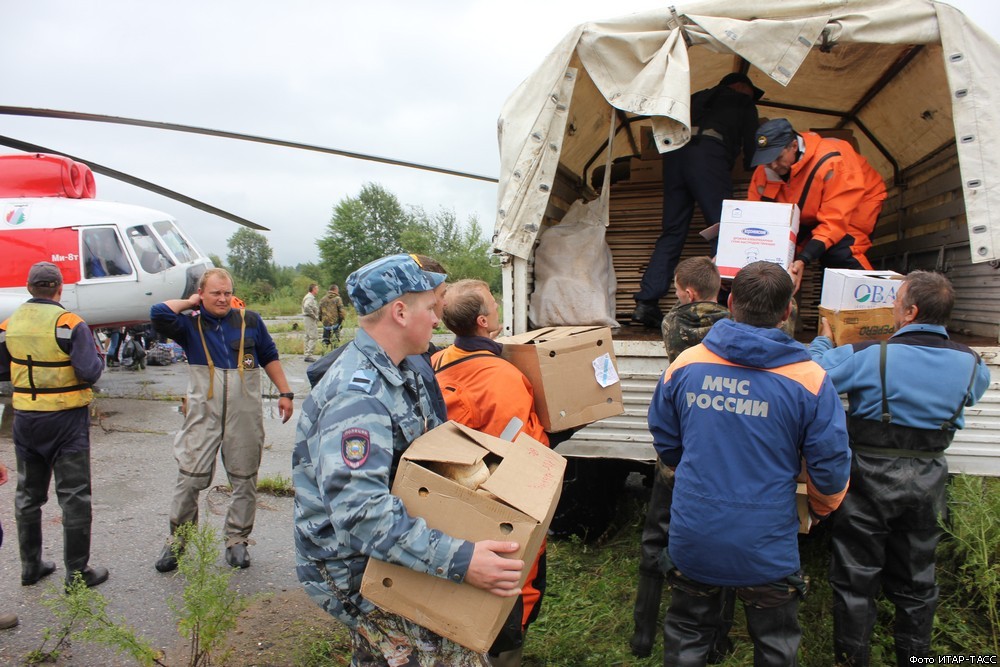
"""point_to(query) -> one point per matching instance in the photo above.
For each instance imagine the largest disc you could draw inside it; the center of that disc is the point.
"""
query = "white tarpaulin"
(910, 76)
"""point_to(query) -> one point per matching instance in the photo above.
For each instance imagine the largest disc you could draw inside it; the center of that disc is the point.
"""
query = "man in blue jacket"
(735, 416)
(906, 398)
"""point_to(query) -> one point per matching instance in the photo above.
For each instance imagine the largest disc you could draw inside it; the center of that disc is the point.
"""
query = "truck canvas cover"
(908, 77)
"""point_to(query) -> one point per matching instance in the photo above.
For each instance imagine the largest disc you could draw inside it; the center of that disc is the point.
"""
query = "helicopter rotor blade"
(99, 118)
(132, 180)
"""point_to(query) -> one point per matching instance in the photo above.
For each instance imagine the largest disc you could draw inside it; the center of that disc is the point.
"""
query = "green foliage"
(216, 260)
(276, 485)
(209, 608)
(82, 613)
(462, 250)
(250, 255)
(969, 564)
(362, 229)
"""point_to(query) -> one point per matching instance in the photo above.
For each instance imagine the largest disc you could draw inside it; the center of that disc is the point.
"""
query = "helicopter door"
(107, 289)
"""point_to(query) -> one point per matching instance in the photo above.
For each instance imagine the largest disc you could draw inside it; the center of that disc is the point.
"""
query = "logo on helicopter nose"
(16, 215)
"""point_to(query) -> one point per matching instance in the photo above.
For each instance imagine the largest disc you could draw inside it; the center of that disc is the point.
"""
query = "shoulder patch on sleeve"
(362, 381)
(355, 445)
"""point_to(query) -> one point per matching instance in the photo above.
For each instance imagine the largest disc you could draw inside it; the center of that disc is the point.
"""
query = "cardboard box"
(751, 231)
(572, 371)
(643, 171)
(852, 289)
(523, 492)
(802, 506)
(856, 326)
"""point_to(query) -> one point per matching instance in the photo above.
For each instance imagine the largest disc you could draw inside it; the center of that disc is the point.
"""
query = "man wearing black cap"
(723, 123)
(838, 193)
(50, 357)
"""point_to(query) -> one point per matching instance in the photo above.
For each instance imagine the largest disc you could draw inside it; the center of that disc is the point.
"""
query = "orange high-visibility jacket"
(483, 391)
(837, 191)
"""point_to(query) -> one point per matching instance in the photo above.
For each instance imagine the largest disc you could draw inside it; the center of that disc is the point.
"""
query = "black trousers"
(696, 610)
(884, 537)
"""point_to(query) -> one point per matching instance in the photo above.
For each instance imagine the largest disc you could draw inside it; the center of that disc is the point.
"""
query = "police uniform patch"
(248, 361)
(355, 445)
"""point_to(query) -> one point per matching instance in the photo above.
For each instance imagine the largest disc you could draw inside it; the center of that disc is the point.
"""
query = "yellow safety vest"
(42, 374)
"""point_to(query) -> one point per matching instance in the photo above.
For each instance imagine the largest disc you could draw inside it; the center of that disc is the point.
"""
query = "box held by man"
(573, 372)
(853, 289)
(752, 231)
(514, 503)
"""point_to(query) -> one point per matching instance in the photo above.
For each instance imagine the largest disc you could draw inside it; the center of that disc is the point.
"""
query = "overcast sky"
(416, 81)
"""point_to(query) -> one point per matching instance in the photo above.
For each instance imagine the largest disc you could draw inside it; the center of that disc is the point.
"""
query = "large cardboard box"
(572, 371)
(645, 171)
(751, 231)
(853, 289)
(515, 503)
(856, 326)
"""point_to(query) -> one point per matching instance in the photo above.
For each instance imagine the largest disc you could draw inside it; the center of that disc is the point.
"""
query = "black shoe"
(238, 556)
(92, 576)
(32, 574)
(647, 314)
(167, 562)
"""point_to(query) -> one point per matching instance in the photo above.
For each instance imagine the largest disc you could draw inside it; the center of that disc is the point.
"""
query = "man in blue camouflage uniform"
(357, 421)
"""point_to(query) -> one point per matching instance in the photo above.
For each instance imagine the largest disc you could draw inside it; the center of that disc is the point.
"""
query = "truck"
(913, 83)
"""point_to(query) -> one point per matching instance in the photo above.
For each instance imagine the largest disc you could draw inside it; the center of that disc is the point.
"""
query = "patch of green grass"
(276, 485)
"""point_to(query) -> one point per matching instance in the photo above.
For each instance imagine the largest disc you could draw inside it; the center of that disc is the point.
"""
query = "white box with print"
(851, 289)
(753, 231)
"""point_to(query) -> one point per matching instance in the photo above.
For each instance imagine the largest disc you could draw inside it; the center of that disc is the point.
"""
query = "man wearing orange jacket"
(487, 393)
(838, 193)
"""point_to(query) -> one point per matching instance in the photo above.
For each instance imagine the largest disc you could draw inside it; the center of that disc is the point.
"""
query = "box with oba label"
(857, 326)
(474, 487)
(851, 289)
(752, 231)
(572, 371)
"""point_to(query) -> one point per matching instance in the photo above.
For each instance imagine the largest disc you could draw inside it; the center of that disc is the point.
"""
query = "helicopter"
(117, 259)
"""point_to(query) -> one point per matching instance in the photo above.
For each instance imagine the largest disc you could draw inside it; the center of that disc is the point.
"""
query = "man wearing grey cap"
(358, 420)
(838, 193)
(723, 122)
(49, 356)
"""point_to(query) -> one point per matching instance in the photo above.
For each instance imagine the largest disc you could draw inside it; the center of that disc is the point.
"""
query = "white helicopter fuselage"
(117, 260)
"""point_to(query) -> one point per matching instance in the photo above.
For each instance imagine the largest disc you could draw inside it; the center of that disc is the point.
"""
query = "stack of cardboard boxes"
(858, 304)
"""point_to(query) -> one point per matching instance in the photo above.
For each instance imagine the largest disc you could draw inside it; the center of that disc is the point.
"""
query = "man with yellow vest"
(50, 357)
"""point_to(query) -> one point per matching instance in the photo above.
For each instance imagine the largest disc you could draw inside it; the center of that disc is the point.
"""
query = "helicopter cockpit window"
(103, 255)
(177, 244)
(152, 258)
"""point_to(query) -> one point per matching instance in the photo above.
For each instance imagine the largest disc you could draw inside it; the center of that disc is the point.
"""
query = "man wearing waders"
(906, 397)
(226, 350)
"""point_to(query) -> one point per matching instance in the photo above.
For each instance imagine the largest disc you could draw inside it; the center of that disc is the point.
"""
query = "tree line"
(363, 228)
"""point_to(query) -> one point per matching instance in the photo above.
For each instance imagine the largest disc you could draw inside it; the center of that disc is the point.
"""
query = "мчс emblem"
(248, 361)
(354, 447)
(762, 140)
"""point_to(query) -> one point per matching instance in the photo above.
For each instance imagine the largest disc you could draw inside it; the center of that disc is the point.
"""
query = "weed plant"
(82, 614)
(209, 608)
(276, 485)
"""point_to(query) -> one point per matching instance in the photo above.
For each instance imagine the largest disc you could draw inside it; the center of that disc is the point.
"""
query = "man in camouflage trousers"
(310, 317)
(358, 420)
(696, 283)
(331, 313)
